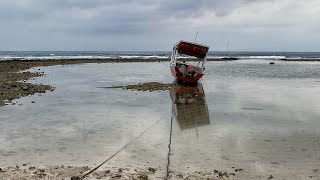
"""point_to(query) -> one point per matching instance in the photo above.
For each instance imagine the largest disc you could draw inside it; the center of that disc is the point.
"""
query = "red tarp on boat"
(192, 49)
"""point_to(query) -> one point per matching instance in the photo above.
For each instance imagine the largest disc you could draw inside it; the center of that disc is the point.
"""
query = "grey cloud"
(196, 8)
(153, 19)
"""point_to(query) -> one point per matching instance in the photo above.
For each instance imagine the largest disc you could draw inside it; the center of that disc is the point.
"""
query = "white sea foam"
(144, 57)
(262, 57)
(51, 57)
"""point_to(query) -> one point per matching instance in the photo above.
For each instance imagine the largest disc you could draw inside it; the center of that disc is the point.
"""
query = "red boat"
(187, 72)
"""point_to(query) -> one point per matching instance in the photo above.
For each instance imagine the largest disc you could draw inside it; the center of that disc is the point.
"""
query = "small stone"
(17, 166)
(24, 164)
(270, 177)
(25, 88)
(180, 175)
(117, 175)
(32, 167)
(143, 177)
(41, 170)
(41, 175)
(75, 178)
(152, 169)
(119, 170)
(32, 101)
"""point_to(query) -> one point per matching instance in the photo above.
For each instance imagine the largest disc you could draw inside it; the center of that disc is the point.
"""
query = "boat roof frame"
(185, 47)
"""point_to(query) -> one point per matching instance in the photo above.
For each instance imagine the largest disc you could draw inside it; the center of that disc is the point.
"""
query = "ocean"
(34, 55)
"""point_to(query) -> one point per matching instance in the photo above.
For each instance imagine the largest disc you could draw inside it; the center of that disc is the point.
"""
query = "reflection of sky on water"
(260, 120)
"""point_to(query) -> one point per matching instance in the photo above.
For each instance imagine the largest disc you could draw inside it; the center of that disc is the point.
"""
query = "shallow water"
(261, 118)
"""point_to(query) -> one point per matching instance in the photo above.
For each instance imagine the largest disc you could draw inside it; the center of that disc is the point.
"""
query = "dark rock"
(152, 169)
(270, 177)
(180, 175)
(230, 58)
(271, 63)
(32, 101)
(42, 170)
(119, 170)
(41, 175)
(117, 176)
(75, 178)
(143, 177)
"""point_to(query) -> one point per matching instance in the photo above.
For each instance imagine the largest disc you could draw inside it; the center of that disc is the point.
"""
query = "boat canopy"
(192, 49)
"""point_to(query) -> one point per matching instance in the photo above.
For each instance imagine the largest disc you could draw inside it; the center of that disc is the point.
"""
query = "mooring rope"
(169, 145)
(88, 173)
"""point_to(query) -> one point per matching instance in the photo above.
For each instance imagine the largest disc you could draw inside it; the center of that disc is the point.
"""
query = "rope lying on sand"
(169, 146)
(88, 173)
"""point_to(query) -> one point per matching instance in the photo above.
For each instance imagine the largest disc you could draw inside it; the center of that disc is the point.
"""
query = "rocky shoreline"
(27, 171)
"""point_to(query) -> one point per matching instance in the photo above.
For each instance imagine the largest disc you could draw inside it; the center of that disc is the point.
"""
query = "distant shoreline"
(114, 60)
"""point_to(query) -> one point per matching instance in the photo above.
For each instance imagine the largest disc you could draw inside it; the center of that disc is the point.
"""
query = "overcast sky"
(259, 25)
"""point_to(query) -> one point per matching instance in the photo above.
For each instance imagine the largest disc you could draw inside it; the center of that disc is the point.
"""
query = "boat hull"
(186, 73)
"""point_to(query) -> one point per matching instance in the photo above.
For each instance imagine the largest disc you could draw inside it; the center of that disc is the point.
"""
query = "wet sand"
(263, 124)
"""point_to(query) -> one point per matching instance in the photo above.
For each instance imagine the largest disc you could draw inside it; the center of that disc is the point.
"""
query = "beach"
(261, 120)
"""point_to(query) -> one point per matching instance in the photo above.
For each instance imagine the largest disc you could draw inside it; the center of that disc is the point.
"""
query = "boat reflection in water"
(189, 105)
